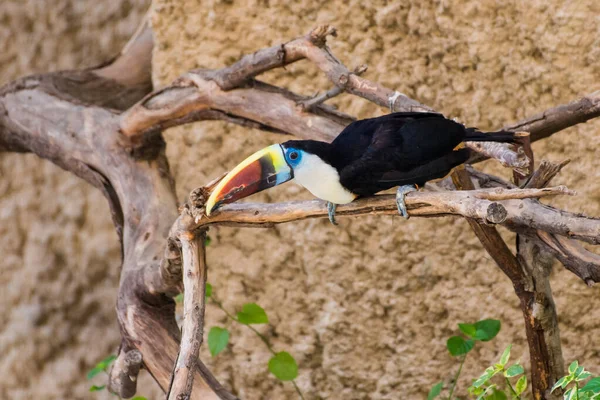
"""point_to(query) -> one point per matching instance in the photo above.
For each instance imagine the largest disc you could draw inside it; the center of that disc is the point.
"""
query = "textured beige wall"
(365, 307)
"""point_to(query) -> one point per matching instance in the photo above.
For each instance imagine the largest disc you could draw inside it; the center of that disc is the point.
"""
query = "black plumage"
(397, 149)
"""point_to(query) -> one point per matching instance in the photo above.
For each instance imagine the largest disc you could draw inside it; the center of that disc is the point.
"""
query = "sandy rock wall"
(365, 307)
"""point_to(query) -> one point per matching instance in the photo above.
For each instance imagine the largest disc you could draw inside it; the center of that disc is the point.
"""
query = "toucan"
(403, 149)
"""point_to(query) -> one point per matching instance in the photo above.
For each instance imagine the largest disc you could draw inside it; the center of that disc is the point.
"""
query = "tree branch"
(558, 118)
(124, 372)
(519, 216)
(543, 335)
(194, 283)
(533, 289)
(227, 90)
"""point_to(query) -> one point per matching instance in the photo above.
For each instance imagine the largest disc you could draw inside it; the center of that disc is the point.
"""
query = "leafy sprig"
(460, 345)
(577, 374)
(282, 364)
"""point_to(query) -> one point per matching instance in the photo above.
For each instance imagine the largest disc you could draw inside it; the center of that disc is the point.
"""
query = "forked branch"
(232, 91)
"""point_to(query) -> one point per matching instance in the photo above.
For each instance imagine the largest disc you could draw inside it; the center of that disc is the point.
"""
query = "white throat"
(321, 179)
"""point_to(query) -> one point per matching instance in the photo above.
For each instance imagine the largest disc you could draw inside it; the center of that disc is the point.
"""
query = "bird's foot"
(400, 194)
(331, 212)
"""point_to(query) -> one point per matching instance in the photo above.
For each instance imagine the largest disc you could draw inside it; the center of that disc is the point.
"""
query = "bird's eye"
(293, 155)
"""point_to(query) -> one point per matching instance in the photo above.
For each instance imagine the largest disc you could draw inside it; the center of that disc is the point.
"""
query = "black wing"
(404, 148)
(365, 181)
(368, 134)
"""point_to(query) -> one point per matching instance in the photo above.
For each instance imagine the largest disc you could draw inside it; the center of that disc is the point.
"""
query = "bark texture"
(329, 349)
(505, 70)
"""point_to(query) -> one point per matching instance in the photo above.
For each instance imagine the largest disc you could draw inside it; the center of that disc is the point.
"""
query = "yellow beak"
(264, 169)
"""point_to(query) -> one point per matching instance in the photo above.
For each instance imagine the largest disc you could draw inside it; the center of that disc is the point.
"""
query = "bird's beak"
(264, 169)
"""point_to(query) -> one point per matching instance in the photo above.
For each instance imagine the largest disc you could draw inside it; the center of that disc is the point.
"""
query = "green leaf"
(252, 313)
(570, 394)
(178, 298)
(514, 371)
(95, 388)
(94, 371)
(583, 375)
(217, 340)
(592, 386)
(458, 346)
(208, 289)
(521, 385)
(487, 375)
(468, 329)
(435, 391)
(207, 241)
(486, 329)
(505, 356)
(559, 383)
(488, 391)
(139, 398)
(497, 395)
(101, 366)
(475, 391)
(283, 366)
(106, 362)
(573, 366)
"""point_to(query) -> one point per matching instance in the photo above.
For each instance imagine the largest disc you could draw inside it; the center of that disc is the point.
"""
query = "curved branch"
(227, 90)
(575, 257)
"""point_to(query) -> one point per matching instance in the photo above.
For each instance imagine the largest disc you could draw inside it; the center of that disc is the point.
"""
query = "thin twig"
(315, 101)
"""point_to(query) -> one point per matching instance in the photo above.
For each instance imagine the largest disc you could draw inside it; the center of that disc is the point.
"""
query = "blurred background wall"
(365, 307)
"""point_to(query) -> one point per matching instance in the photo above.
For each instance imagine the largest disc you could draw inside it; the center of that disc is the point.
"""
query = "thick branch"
(70, 118)
(123, 374)
(537, 302)
(534, 294)
(194, 283)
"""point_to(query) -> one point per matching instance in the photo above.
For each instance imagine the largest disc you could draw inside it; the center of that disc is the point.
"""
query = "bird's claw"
(400, 202)
(331, 212)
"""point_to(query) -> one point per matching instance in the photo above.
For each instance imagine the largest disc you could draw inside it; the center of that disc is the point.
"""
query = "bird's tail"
(474, 135)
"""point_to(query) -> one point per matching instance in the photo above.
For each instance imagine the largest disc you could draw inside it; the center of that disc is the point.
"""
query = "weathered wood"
(535, 298)
(471, 204)
(558, 118)
(228, 90)
(123, 373)
(541, 320)
(537, 302)
(72, 119)
(194, 283)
